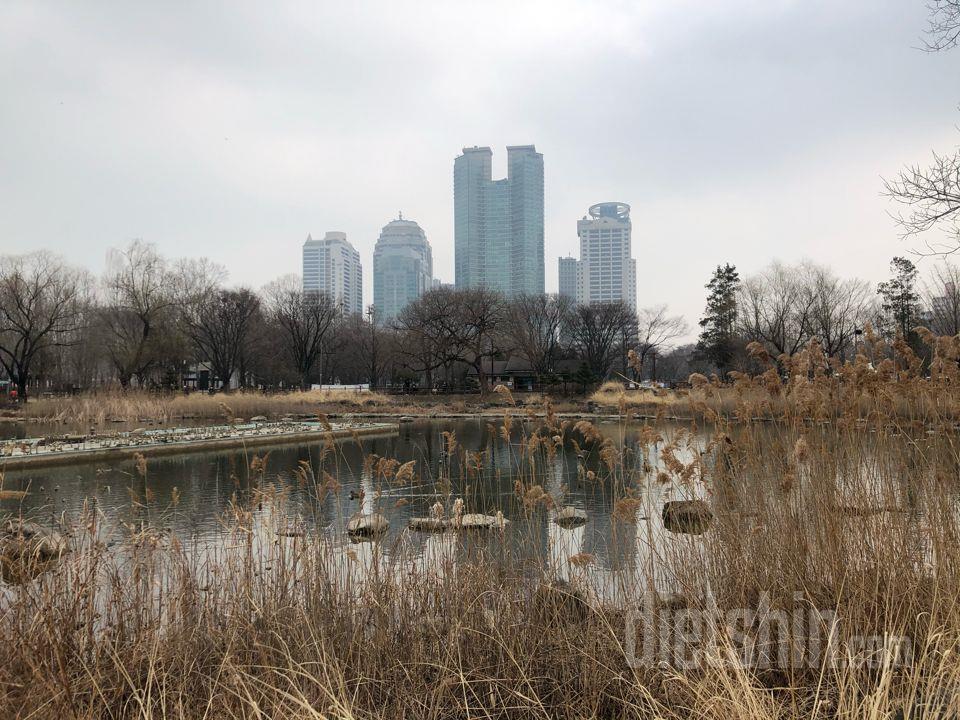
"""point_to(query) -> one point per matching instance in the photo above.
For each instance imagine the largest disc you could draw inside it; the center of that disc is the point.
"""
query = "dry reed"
(134, 406)
(847, 507)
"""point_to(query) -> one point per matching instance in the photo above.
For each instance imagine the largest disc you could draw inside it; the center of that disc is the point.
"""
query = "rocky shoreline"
(69, 449)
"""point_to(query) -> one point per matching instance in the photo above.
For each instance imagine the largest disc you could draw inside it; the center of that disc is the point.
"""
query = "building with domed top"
(402, 267)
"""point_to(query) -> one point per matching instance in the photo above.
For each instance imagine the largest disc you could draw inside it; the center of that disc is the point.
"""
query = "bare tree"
(264, 356)
(839, 308)
(656, 329)
(80, 359)
(217, 321)
(445, 326)
(785, 306)
(472, 330)
(677, 364)
(532, 325)
(944, 25)
(932, 193)
(41, 308)
(775, 308)
(376, 344)
(137, 310)
(306, 319)
(424, 342)
(942, 297)
(595, 330)
(933, 196)
(218, 325)
(367, 353)
(424, 338)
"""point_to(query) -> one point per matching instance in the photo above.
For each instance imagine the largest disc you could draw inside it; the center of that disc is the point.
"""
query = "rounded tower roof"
(402, 231)
(618, 210)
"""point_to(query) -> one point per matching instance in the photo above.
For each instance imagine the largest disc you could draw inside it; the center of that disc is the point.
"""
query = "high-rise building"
(332, 266)
(402, 267)
(605, 271)
(498, 224)
(568, 277)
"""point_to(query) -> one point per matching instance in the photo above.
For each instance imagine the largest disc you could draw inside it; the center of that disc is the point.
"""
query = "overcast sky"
(739, 131)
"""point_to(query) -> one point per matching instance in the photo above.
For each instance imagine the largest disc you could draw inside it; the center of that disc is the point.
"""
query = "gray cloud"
(738, 131)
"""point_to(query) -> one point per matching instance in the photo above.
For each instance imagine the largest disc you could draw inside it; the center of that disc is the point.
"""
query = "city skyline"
(518, 358)
(732, 156)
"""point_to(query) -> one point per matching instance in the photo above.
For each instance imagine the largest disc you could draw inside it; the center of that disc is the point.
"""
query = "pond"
(189, 495)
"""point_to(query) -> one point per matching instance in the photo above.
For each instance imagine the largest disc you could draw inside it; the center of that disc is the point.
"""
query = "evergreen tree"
(585, 376)
(717, 341)
(901, 301)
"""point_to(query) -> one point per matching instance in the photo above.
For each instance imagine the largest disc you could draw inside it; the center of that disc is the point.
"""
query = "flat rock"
(570, 516)
(478, 521)
(428, 524)
(687, 516)
(27, 550)
(367, 525)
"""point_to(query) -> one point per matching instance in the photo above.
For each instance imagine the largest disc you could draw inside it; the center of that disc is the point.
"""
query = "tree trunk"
(482, 377)
(225, 374)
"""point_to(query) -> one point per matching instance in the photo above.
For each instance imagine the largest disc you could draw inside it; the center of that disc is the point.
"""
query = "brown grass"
(134, 406)
(614, 395)
(855, 516)
(885, 383)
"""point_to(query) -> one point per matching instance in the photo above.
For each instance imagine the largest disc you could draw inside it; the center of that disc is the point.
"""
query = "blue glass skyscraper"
(498, 224)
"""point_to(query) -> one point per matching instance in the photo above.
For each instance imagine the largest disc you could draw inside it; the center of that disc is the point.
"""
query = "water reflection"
(190, 496)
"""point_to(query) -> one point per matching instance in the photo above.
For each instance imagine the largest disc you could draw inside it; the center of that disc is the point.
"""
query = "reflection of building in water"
(665, 561)
(562, 544)
(368, 504)
(208, 487)
(438, 555)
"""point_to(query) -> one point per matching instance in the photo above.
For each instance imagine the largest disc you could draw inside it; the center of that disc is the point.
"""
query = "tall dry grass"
(613, 394)
(134, 406)
(885, 383)
(848, 507)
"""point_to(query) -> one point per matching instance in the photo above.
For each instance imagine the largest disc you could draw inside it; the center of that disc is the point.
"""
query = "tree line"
(784, 307)
(151, 322)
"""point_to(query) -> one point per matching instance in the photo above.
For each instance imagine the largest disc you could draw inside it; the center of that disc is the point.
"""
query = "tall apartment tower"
(332, 266)
(605, 271)
(568, 277)
(402, 267)
(498, 224)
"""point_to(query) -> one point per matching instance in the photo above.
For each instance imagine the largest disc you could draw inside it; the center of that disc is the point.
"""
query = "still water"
(190, 495)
